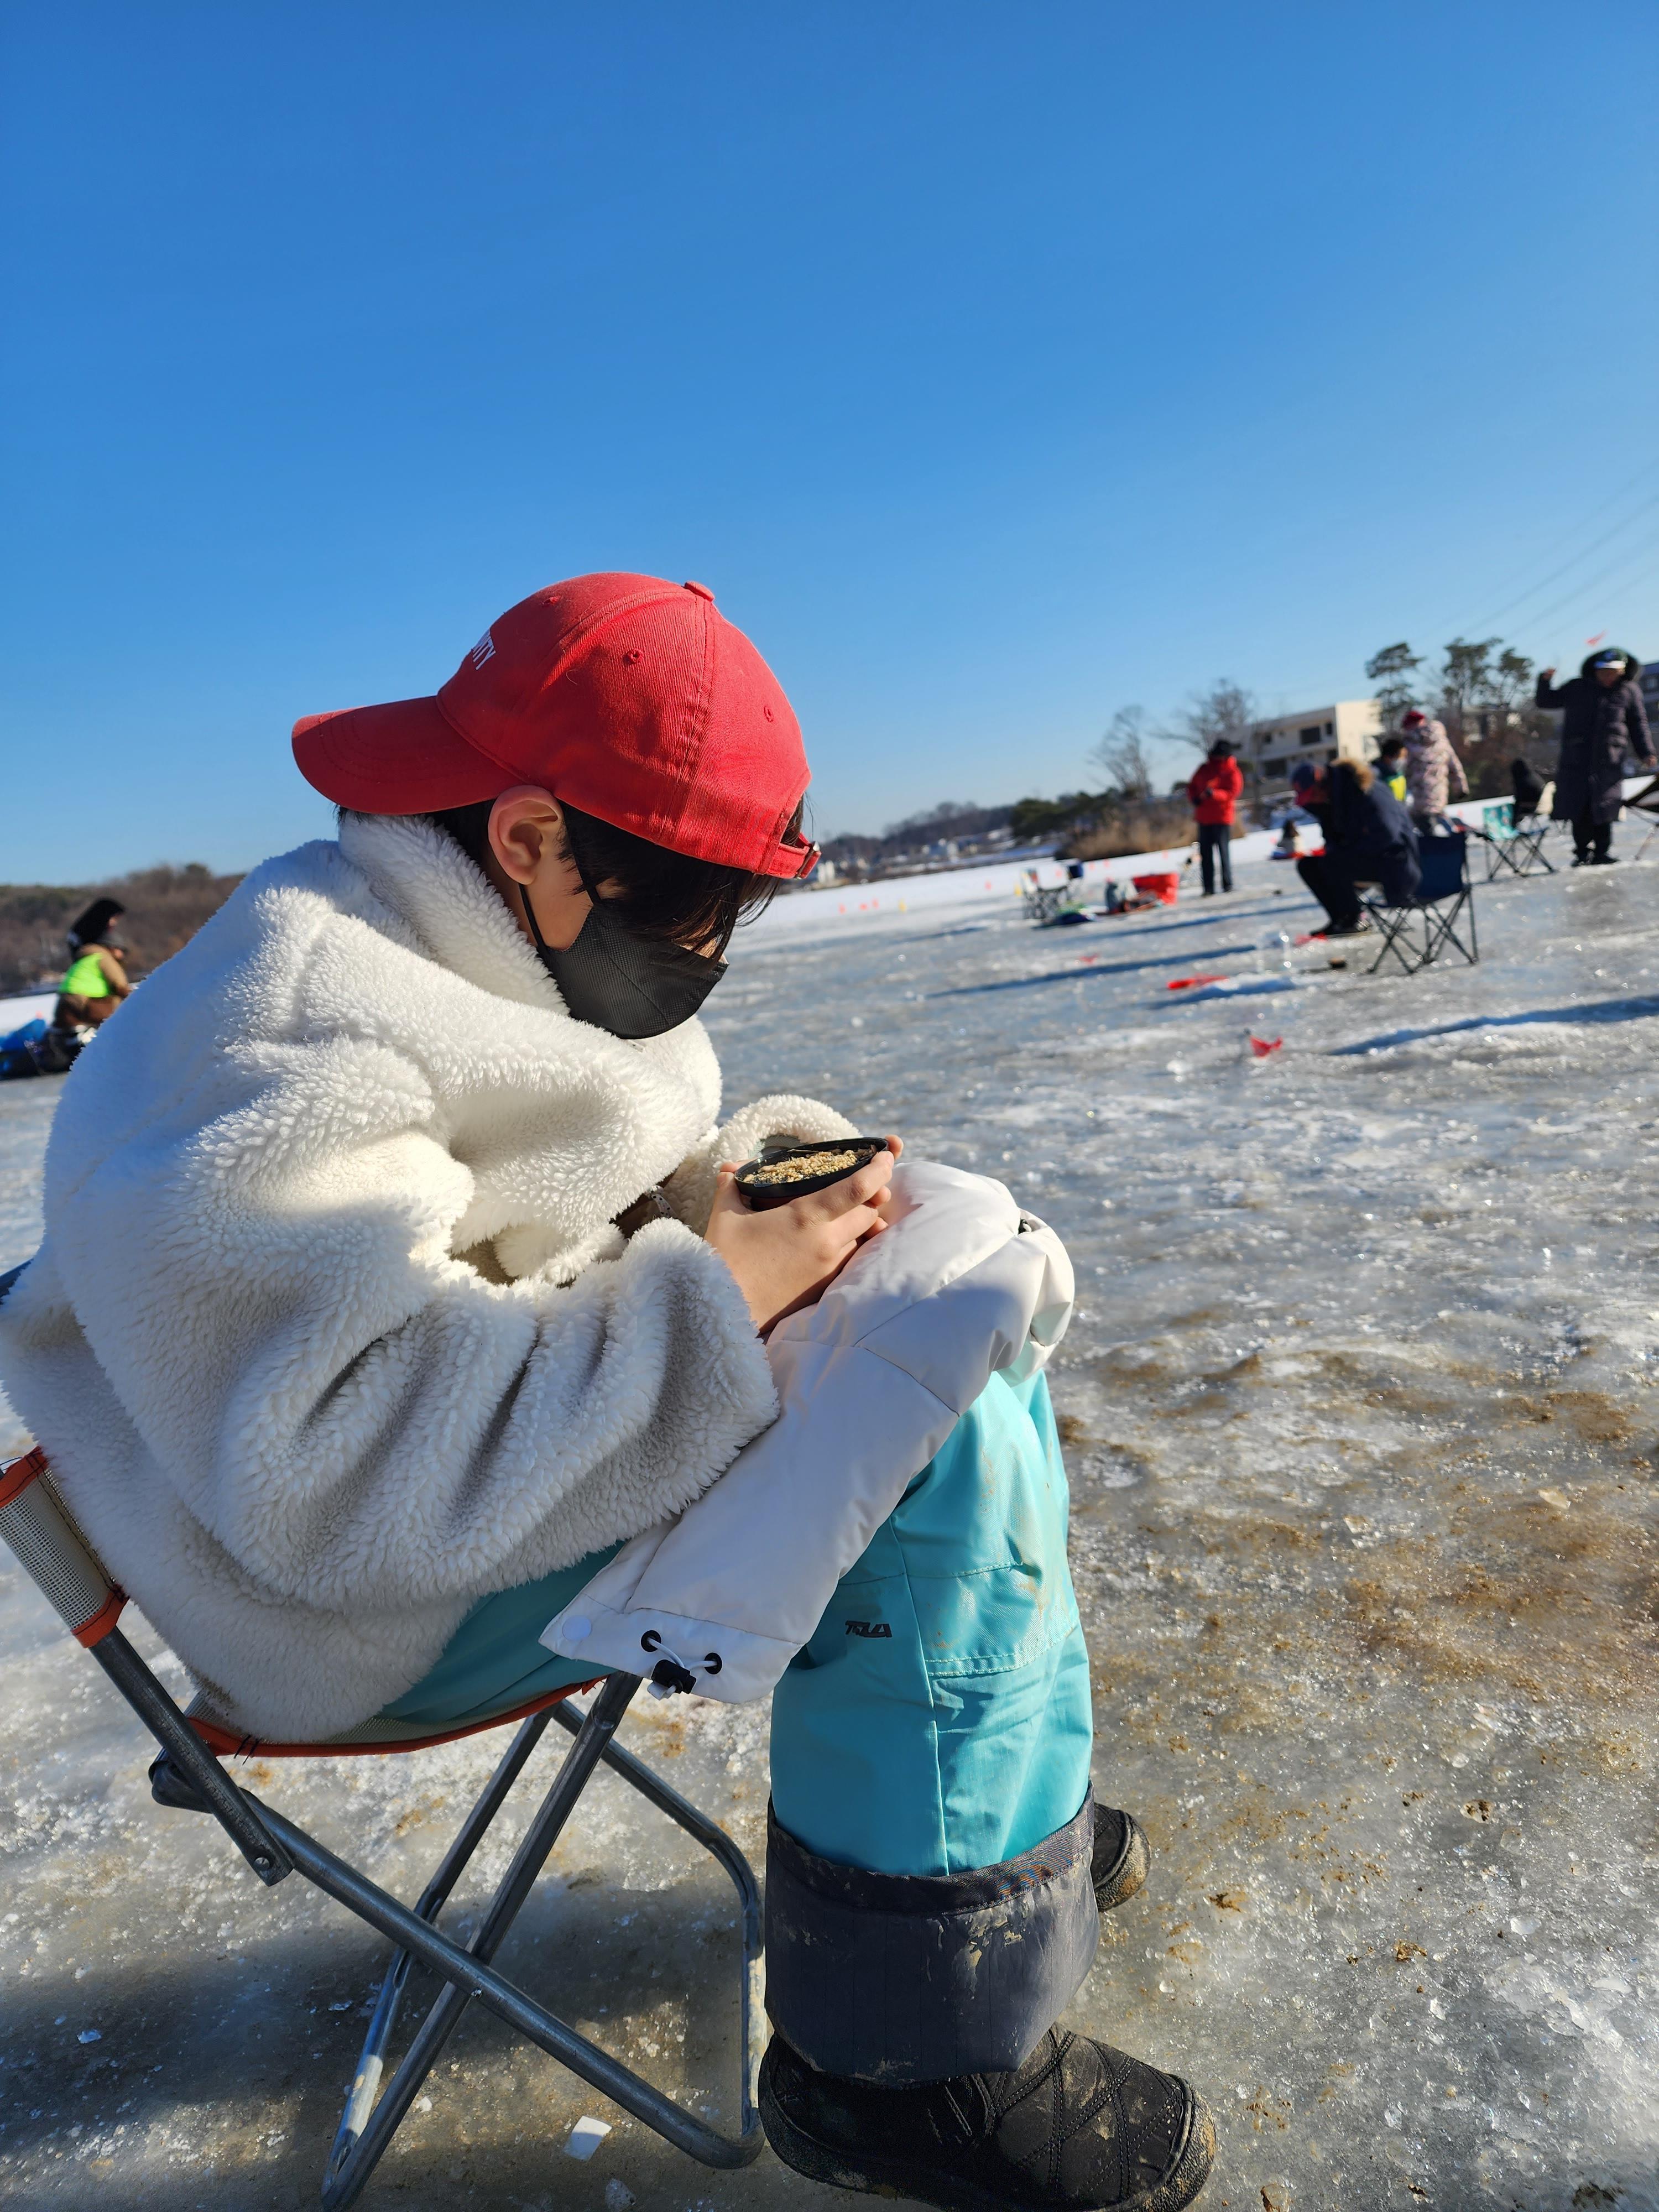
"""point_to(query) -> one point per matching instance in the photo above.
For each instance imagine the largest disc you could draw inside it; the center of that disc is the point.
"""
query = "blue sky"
(996, 367)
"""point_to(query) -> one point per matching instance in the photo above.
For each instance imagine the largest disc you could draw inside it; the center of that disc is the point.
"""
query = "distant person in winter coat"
(1603, 725)
(1391, 765)
(1213, 791)
(401, 1340)
(1370, 838)
(1434, 774)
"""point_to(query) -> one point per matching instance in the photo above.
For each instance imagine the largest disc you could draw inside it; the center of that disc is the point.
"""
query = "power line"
(1567, 566)
(1550, 613)
(1632, 482)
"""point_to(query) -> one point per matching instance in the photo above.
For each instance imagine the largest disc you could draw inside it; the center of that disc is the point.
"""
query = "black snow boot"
(1078, 2128)
(1119, 1861)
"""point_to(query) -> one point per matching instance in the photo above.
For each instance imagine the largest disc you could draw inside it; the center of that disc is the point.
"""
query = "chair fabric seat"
(1418, 931)
(380, 1733)
(1443, 861)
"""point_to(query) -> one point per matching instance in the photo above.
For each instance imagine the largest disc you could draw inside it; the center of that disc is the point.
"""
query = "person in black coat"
(1370, 838)
(1603, 723)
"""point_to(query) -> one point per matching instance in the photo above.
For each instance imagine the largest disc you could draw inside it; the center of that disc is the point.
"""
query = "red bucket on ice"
(1162, 886)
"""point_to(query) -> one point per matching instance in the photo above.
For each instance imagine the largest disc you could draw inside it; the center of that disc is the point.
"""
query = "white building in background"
(1345, 730)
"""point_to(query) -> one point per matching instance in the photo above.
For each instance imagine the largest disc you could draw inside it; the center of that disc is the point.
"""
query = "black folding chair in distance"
(1419, 932)
(1645, 802)
(189, 1775)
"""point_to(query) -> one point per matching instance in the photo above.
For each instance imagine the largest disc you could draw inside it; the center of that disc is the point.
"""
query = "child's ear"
(525, 824)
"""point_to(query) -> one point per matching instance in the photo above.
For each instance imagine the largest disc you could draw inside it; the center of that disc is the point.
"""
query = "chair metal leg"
(719, 1845)
(371, 2064)
(190, 1776)
(347, 2178)
(202, 1780)
(461, 1968)
(466, 1974)
(1392, 922)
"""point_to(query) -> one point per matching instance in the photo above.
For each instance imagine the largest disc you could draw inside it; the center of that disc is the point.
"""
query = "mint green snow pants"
(940, 1720)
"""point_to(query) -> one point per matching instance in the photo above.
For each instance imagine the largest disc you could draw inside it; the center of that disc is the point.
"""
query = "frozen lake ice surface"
(1358, 1411)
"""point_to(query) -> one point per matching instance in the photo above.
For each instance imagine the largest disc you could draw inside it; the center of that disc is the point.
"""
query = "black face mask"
(631, 985)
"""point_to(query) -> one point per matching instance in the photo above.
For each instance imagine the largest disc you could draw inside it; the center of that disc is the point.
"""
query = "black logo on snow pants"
(869, 1628)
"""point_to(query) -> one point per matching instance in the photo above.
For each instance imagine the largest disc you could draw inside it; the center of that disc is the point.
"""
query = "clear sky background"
(996, 367)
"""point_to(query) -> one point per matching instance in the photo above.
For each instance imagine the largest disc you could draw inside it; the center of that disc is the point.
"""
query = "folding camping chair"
(1418, 933)
(1645, 801)
(37, 1527)
(1043, 902)
(1514, 841)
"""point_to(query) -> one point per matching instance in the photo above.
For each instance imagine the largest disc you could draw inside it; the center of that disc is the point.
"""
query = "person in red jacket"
(1213, 792)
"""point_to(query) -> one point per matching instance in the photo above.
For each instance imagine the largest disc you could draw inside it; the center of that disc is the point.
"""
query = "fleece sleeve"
(358, 1417)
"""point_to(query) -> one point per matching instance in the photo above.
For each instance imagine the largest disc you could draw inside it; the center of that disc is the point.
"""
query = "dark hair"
(663, 896)
(88, 928)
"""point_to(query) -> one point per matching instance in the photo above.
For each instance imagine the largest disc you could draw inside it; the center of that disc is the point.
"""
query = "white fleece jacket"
(331, 1332)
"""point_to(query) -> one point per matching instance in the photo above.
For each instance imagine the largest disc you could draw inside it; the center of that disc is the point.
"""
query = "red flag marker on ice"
(1262, 1045)
(1191, 983)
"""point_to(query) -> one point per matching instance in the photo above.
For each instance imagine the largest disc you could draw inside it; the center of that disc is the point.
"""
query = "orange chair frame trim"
(227, 1744)
(16, 1476)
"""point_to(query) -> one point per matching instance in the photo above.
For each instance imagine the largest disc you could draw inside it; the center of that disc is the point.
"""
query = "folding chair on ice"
(1645, 801)
(1514, 841)
(1043, 902)
(188, 1774)
(1418, 933)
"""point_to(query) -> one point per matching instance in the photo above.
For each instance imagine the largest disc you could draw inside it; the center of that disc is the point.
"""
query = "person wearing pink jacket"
(1433, 771)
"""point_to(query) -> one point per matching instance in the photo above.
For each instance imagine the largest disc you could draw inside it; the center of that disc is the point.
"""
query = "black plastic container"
(763, 1196)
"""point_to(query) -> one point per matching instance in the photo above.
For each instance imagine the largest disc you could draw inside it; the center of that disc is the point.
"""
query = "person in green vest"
(96, 981)
(1391, 765)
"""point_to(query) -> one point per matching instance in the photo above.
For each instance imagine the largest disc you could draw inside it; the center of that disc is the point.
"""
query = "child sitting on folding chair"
(394, 1279)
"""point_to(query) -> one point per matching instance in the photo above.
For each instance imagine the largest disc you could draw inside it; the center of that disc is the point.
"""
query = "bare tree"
(1226, 710)
(1121, 756)
(1465, 679)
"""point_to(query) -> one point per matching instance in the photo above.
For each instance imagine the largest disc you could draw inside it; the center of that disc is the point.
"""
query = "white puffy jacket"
(871, 1381)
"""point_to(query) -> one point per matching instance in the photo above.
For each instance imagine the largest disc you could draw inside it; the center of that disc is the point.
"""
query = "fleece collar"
(458, 916)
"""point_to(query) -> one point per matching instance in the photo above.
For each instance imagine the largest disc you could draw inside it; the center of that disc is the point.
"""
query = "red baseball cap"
(628, 697)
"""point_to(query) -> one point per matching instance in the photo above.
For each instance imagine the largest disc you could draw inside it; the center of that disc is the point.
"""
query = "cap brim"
(402, 758)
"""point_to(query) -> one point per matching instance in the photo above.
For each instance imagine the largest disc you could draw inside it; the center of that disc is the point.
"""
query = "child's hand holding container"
(787, 1223)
